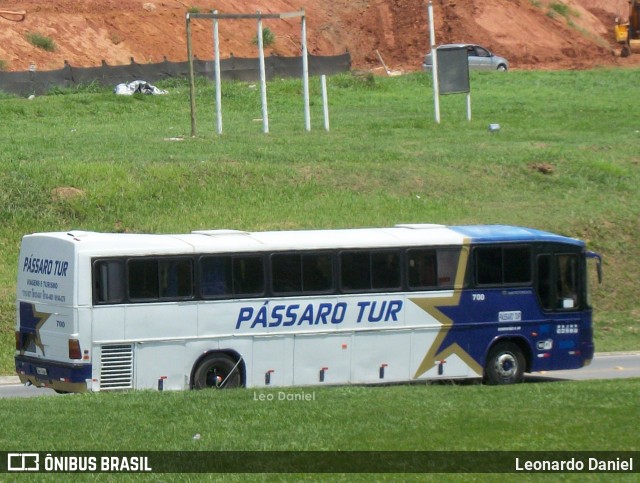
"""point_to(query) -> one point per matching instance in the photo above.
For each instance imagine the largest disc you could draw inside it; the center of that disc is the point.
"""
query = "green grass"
(385, 161)
(560, 8)
(560, 416)
(563, 416)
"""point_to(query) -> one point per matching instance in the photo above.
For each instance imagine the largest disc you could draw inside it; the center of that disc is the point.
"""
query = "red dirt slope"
(530, 34)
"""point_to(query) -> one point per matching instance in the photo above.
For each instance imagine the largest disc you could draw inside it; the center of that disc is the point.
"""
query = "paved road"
(14, 389)
(615, 365)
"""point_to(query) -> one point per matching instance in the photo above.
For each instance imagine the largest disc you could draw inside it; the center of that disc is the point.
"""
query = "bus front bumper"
(60, 376)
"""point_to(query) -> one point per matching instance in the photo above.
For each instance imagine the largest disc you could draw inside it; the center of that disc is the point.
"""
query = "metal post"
(263, 82)
(434, 63)
(192, 86)
(305, 75)
(325, 103)
(216, 45)
(468, 106)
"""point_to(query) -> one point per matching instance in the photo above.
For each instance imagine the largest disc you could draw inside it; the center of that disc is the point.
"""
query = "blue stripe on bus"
(503, 233)
(55, 371)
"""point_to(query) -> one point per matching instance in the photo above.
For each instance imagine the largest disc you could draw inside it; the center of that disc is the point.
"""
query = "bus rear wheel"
(505, 364)
(217, 371)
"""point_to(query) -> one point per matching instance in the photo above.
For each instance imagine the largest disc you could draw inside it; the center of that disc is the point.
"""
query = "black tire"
(505, 364)
(217, 371)
(502, 68)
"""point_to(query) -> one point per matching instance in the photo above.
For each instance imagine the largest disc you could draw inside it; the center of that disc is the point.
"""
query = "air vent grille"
(116, 362)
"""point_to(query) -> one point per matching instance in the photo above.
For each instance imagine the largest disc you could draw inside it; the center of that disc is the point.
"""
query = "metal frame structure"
(215, 16)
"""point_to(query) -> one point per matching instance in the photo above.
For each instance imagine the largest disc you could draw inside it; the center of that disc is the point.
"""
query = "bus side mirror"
(598, 260)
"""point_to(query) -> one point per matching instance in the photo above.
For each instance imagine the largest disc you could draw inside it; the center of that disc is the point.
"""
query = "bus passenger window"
(143, 279)
(489, 266)
(517, 264)
(248, 275)
(366, 270)
(422, 269)
(432, 268)
(448, 260)
(317, 273)
(385, 270)
(176, 278)
(286, 273)
(108, 281)
(215, 276)
(503, 265)
(355, 271)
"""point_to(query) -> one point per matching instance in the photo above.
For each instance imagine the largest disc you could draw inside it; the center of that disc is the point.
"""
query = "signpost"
(449, 70)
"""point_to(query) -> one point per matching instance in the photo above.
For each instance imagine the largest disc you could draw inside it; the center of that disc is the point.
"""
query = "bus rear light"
(74, 349)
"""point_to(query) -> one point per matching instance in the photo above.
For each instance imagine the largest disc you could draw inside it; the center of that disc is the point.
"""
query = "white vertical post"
(216, 45)
(263, 82)
(434, 63)
(468, 106)
(192, 86)
(305, 75)
(325, 103)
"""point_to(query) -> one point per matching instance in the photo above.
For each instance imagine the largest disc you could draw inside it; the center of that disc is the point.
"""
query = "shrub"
(41, 41)
(268, 37)
(560, 8)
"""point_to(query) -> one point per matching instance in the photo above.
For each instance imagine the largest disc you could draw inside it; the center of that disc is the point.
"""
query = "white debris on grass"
(137, 87)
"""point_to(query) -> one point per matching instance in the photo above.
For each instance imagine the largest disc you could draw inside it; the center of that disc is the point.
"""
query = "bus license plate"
(42, 371)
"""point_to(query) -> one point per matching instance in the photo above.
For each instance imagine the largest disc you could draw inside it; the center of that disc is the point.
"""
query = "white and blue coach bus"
(226, 308)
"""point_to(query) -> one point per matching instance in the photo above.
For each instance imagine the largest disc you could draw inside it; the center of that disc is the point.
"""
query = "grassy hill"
(565, 160)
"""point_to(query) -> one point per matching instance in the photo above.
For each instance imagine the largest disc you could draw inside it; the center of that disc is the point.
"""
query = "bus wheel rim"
(506, 365)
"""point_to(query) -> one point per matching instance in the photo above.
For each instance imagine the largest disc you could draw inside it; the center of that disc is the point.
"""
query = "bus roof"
(505, 233)
(227, 241)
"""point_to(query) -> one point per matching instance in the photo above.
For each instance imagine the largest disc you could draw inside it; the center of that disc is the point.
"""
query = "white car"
(479, 58)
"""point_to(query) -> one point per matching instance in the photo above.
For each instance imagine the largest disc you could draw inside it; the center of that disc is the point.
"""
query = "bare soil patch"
(530, 34)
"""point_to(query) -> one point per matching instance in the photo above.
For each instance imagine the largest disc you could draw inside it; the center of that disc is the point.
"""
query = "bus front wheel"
(505, 364)
(217, 371)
